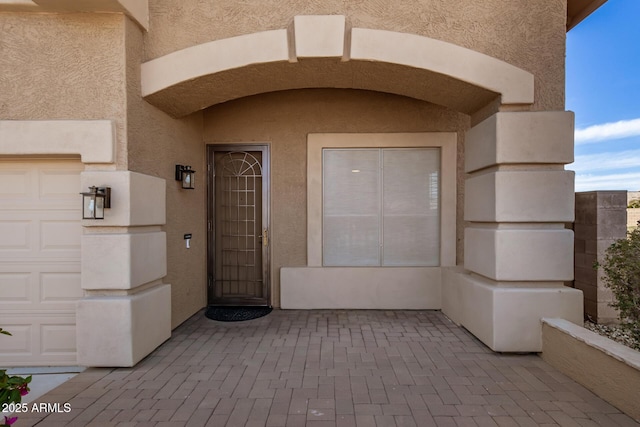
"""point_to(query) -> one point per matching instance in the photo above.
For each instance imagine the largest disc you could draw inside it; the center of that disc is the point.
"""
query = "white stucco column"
(517, 252)
(126, 311)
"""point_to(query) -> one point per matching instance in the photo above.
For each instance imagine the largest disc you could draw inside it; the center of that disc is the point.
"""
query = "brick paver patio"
(327, 368)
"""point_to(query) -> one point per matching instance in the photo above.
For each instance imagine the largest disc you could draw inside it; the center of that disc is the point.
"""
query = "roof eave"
(578, 10)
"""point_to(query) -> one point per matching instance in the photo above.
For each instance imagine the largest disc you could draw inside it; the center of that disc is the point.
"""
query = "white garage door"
(39, 261)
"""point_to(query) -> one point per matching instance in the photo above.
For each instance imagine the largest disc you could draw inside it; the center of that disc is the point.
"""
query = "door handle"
(265, 237)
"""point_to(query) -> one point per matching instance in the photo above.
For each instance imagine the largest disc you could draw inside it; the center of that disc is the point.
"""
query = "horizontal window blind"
(381, 207)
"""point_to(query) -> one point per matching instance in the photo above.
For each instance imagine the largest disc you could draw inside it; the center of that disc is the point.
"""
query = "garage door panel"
(59, 184)
(53, 204)
(40, 181)
(59, 235)
(15, 288)
(15, 183)
(33, 239)
(40, 210)
(58, 339)
(52, 289)
(59, 288)
(38, 340)
(19, 343)
(56, 266)
(16, 235)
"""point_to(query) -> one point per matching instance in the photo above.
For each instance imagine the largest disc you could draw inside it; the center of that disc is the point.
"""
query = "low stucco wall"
(609, 369)
(389, 288)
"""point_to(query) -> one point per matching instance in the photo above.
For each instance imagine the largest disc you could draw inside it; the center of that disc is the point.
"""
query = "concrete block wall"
(601, 219)
(633, 216)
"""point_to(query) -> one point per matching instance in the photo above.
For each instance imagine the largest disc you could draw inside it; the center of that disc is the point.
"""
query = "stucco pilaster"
(126, 311)
(517, 251)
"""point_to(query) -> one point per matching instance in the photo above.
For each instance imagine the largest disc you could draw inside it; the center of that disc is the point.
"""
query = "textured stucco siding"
(284, 119)
(64, 66)
(87, 66)
(156, 143)
(530, 36)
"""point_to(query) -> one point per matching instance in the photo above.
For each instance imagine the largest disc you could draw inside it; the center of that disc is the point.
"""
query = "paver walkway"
(327, 368)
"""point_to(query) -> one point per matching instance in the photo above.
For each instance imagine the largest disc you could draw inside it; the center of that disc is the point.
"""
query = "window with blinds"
(381, 207)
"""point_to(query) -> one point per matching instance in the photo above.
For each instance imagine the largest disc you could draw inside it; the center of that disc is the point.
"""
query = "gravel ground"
(615, 333)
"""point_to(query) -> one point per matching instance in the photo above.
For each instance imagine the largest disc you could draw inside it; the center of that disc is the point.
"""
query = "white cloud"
(606, 161)
(616, 181)
(608, 131)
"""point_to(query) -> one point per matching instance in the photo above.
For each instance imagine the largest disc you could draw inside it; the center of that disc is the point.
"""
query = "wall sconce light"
(95, 201)
(186, 175)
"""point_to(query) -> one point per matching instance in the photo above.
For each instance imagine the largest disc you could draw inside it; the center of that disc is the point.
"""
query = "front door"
(238, 216)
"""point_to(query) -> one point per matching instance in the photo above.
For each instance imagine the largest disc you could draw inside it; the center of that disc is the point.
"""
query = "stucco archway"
(321, 52)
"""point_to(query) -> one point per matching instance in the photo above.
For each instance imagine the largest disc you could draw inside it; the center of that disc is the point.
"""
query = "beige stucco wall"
(87, 66)
(156, 143)
(532, 37)
(284, 119)
(64, 66)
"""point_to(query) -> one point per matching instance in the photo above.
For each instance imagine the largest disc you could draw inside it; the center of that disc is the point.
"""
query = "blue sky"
(603, 89)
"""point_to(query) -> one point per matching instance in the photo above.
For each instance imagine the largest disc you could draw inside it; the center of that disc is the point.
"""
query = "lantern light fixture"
(186, 175)
(95, 201)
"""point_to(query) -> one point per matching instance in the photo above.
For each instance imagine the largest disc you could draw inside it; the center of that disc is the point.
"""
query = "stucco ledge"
(93, 140)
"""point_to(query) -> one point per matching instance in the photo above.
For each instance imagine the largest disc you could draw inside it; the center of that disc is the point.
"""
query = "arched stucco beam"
(513, 84)
(200, 61)
(193, 95)
(194, 78)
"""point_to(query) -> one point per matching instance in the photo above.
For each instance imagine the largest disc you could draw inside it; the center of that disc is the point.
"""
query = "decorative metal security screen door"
(238, 219)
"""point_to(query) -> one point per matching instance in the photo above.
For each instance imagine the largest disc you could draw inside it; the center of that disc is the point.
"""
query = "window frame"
(446, 141)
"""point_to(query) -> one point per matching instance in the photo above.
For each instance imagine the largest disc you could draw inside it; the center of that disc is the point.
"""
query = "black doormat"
(236, 314)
